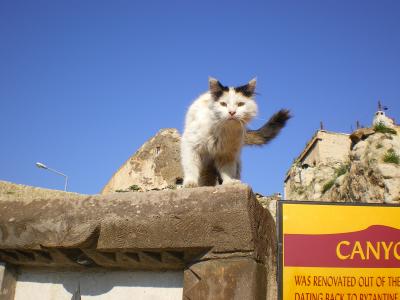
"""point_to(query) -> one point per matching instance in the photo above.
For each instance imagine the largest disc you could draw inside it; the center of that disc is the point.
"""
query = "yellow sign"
(335, 251)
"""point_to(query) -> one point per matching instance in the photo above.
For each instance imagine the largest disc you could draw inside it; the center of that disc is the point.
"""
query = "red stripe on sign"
(377, 246)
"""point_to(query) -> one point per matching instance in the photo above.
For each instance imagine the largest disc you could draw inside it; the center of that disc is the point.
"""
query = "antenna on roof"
(321, 125)
(358, 124)
(380, 107)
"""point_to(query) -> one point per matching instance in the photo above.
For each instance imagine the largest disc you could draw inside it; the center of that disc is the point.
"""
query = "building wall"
(327, 146)
(313, 156)
(36, 284)
(334, 146)
(323, 154)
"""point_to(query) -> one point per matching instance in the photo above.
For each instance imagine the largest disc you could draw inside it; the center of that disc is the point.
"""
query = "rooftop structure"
(323, 148)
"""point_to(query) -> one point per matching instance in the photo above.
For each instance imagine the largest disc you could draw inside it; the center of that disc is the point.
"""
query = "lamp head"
(40, 165)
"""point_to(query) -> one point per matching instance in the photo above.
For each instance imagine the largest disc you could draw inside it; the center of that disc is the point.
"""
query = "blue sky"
(83, 84)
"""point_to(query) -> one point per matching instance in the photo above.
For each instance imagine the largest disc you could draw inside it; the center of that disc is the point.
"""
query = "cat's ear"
(247, 89)
(216, 88)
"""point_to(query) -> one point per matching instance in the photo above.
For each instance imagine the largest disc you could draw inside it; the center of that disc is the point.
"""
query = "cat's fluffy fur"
(215, 132)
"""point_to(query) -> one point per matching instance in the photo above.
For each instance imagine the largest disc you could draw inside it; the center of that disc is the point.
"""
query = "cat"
(215, 132)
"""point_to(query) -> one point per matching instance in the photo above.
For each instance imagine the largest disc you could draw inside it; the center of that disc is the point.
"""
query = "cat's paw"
(231, 181)
(190, 184)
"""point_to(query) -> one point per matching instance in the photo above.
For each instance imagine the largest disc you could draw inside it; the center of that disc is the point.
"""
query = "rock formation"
(374, 172)
(155, 166)
(371, 172)
(269, 202)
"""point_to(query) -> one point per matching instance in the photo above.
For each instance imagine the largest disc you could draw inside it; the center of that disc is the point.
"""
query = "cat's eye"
(240, 104)
(223, 103)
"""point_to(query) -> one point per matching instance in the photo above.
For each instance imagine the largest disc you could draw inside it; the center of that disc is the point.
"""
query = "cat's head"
(233, 103)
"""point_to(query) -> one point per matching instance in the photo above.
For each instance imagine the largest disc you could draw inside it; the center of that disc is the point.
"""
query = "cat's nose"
(232, 113)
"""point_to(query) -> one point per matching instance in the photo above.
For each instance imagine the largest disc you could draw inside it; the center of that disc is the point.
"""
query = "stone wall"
(323, 154)
(333, 146)
(325, 146)
(222, 239)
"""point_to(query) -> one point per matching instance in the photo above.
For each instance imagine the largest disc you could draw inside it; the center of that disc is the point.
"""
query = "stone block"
(225, 279)
(8, 277)
(222, 233)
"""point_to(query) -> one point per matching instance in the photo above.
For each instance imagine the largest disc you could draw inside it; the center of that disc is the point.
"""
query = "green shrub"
(328, 185)
(343, 169)
(380, 127)
(134, 188)
(299, 190)
(391, 157)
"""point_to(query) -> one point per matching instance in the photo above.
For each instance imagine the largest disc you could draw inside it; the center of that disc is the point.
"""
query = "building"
(323, 148)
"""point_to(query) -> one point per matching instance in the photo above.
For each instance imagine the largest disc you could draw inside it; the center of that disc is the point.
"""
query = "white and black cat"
(215, 132)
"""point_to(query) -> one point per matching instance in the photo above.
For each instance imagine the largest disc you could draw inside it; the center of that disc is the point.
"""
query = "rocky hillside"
(371, 173)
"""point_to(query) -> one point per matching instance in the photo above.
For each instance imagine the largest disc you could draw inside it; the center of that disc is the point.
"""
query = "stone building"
(325, 147)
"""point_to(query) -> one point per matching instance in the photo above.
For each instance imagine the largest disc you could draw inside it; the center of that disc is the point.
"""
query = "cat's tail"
(269, 130)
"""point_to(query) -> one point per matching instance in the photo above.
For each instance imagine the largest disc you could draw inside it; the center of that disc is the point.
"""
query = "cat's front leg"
(191, 164)
(229, 172)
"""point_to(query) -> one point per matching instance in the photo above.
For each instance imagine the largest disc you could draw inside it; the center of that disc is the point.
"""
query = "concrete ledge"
(172, 229)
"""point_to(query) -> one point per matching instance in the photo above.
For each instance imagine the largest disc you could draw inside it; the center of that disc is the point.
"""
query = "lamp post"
(43, 166)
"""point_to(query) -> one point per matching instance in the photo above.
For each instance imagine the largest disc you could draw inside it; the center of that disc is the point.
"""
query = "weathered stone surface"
(220, 219)
(221, 233)
(156, 165)
(269, 202)
(308, 184)
(388, 170)
(392, 190)
(370, 178)
(361, 134)
(364, 177)
(227, 279)
(8, 278)
(9, 190)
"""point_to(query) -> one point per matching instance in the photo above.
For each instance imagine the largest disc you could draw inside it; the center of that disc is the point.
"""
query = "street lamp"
(43, 166)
